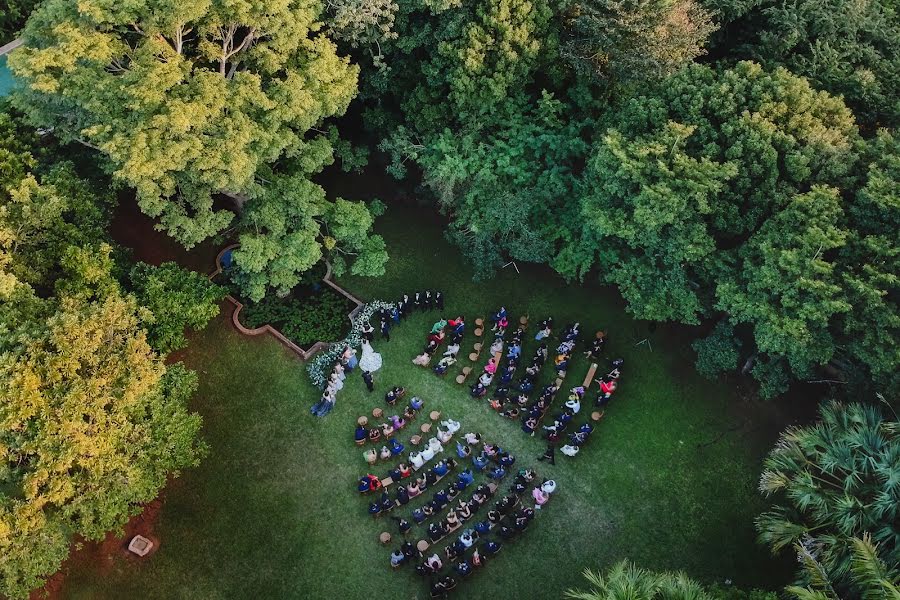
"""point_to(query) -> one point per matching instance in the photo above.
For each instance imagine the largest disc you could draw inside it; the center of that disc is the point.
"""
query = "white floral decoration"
(320, 368)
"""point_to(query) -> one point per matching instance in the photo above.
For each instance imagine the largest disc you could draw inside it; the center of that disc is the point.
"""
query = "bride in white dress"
(370, 360)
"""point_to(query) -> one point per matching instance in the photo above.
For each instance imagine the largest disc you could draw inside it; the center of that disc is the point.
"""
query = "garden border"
(303, 354)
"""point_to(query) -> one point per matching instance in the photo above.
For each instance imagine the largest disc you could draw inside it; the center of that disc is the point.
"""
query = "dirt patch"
(103, 554)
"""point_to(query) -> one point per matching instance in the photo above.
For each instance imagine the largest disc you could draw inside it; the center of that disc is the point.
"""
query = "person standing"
(369, 380)
(439, 300)
(549, 454)
(386, 329)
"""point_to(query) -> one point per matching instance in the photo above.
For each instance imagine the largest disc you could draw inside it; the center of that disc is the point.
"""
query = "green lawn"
(273, 512)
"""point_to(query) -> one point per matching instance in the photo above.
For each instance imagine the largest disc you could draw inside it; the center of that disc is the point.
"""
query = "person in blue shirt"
(440, 469)
(490, 548)
(396, 447)
(441, 498)
(480, 462)
(419, 516)
(361, 433)
(496, 472)
(466, 477)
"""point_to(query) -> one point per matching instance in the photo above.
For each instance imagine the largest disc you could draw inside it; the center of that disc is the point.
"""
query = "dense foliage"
(198, 102)
(13, 17)
(92, 421)
(318, 317)
(626, 581)
(835, 482)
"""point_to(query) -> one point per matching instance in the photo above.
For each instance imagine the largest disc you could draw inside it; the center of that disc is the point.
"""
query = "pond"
(6, 78)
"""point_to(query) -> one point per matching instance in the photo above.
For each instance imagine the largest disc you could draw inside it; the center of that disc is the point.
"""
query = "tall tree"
(91, 425)
(177, 299)
(186, 99)
(835, 480)
(846, 47)
(629, 42)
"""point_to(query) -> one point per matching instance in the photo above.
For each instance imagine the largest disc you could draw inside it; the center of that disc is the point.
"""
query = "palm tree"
(871, 578)
(625, 581)
(836, 480)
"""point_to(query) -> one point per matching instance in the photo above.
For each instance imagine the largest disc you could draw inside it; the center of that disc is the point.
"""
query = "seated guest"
(467, 538)
(462, 450)
(494, 516)
(466, 477)
(507, 460)
(402, 496)
(435, 532)
(404, 470)
(408, 550)
(386, 502)
(417, 403)
(479, 390)
(548, 486)
(434, 562)
(419, 516)
(397, 558)
(441, 498)
(441, 587)
(496, 472)
(490, 548)
(444, 365)
(397, 422)
(496, 403)
(451, 521)
(463, 512)
(413, 490)
(485, 379)
(423, 359)
(569, 450)
(477, 560)
(482, 527)
(374, 434)
(361, 433)
(403, 525)
(443, 436)
(371, 456)
(540, 497)
(505, 532)
(385, 453)
(596, 347)
(463, 568)
(480, 462)
(506, 504)
(396, 448)
(440, 469)
(408, 413)
(473, 438)
(393, 395)
(452, 492)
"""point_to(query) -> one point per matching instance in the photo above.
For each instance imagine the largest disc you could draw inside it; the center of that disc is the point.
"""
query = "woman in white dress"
(370, 360)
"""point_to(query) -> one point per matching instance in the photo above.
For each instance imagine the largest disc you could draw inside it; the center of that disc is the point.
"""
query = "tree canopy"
(833, 481)
(187, 100)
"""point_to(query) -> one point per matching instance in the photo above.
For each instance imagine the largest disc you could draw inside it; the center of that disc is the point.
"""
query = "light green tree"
(188, 100)
(177, 299)
(91, 425)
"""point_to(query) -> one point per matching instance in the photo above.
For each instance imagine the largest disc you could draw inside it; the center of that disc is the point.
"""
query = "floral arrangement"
(319, 368)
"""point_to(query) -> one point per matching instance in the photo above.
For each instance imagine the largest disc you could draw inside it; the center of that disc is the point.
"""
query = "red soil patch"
(101, 555)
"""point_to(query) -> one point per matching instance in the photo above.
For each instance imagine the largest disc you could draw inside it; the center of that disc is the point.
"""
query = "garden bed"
(315, 313)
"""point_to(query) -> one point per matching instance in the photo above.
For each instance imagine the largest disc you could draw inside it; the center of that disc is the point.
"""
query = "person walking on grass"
(369, 380)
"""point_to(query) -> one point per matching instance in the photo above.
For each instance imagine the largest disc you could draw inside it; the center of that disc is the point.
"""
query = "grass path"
(272, 512)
